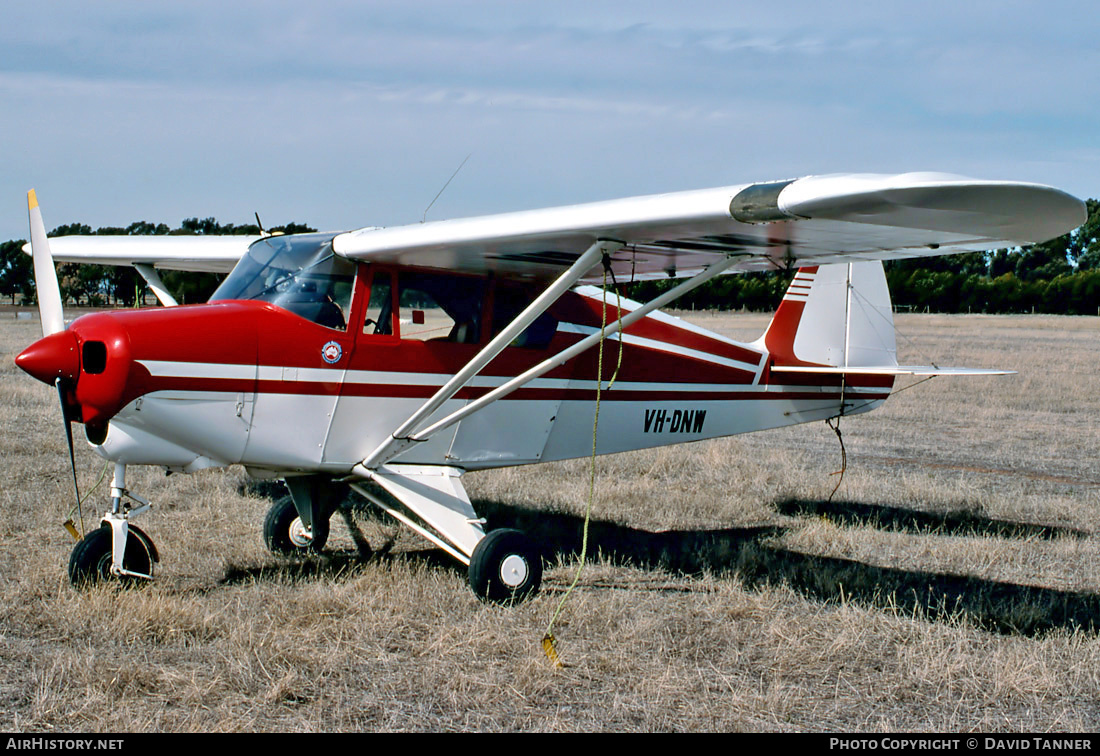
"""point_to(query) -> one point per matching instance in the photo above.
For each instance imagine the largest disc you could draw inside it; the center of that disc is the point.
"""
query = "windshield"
(299, 273)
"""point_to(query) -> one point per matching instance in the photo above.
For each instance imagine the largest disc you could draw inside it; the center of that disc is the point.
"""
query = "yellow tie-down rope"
(549, 644)
(78, 510)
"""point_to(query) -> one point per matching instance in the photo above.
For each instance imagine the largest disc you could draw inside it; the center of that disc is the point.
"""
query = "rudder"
(835, 315)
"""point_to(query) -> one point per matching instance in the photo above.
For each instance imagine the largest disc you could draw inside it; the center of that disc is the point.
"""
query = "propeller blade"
(45, 275)
(68, 437)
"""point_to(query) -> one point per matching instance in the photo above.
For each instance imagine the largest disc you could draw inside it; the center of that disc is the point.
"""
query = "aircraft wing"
(809, 221)
(211, 254)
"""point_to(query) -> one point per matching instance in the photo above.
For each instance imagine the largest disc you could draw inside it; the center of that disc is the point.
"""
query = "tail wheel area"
(90, 561)
(505, 567)
(285, 534)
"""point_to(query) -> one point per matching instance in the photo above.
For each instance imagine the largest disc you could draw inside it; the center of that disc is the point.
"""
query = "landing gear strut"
(505, 567)
(117, 549)
(299, 524)
(91, 559)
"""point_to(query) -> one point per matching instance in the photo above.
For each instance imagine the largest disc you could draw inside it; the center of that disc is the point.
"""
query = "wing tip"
(32, 200)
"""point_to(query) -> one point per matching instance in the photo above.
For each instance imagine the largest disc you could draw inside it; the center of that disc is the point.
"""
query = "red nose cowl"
(92, 357)
(55, 356)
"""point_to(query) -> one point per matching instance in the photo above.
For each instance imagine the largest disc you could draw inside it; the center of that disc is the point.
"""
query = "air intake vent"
(94, 357)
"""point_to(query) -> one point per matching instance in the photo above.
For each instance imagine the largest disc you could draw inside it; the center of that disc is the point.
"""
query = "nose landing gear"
(92, 558)
(117, 549)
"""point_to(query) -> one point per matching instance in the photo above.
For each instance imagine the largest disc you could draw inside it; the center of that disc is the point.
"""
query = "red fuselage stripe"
(397, 390)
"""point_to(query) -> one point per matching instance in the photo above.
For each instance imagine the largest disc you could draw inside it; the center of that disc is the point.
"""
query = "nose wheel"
(91, 559)
(118, 549)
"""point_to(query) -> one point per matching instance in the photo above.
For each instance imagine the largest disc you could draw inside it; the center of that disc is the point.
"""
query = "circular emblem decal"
(332, 352)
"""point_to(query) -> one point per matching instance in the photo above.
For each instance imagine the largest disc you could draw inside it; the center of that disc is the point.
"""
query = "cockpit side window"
(440, 307)
(379, 318)
(324, 301)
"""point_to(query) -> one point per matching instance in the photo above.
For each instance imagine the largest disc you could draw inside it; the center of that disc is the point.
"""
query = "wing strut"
(149, 273)
(390, 450)
(400, 440)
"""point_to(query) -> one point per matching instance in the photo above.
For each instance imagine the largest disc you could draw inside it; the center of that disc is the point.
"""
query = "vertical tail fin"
(835, 315)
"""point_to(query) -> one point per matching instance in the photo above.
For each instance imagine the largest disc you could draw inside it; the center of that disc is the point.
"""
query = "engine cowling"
(92, 358)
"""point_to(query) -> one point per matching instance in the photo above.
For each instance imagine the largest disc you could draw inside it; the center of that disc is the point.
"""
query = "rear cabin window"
(449, 308)
(509, 300)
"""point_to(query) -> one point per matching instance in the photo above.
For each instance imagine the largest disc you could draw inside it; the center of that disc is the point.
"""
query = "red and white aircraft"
(409, 356)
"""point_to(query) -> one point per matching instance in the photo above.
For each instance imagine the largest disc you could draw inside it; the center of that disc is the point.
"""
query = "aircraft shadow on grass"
(756, 557)
(960, 522)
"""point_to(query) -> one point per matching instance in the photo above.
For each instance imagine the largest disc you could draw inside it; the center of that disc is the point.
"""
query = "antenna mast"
(429, 207)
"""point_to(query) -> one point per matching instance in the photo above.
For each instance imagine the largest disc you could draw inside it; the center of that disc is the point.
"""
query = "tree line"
(1061, 276)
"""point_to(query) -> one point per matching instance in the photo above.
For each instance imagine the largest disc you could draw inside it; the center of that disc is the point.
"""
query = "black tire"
(90, 562)
(505, 567)
(282, 527)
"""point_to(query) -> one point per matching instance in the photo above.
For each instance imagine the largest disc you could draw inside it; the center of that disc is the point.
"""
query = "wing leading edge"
(816, 220)
(210, 254)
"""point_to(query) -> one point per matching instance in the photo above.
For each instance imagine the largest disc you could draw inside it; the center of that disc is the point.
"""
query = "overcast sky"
(346, 114)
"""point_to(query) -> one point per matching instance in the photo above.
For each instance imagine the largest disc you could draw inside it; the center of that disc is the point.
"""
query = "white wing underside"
(810, 221)
(212, 254)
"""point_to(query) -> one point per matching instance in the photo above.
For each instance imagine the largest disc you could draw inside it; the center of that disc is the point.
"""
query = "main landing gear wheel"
(91, 559)
(284, 532)
(505, 567)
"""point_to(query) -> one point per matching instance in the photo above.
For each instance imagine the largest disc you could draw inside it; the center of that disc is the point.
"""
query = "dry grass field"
(952, 584)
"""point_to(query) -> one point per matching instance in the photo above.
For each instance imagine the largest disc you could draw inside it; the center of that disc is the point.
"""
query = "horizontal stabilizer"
(891, 370)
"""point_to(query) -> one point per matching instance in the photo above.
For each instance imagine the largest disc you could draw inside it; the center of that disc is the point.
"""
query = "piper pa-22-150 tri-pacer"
(408, 356)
